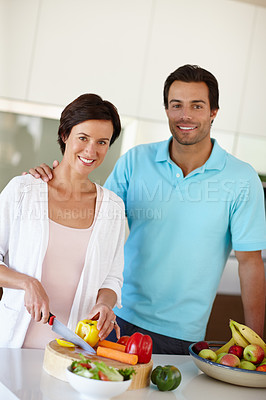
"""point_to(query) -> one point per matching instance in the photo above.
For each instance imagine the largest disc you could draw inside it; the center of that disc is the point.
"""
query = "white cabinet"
(252, 118)
(18, 21)
(213, 34)
(91, 46)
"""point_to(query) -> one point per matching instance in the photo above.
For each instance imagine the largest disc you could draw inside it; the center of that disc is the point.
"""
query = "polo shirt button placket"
(178, 180)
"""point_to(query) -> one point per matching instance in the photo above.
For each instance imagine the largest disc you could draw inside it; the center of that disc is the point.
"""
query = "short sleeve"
(247, 223)
(118, 180)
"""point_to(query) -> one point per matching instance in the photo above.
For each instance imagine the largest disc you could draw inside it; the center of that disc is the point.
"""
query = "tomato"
(84, 365)
(123, 340)
(103, 377)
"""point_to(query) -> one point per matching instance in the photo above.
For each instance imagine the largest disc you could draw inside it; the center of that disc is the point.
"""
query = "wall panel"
(18, 21)
(91, 46)
(215, 35)
(252, 119)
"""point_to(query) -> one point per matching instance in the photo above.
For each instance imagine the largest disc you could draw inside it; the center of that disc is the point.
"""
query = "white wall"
(54, 50)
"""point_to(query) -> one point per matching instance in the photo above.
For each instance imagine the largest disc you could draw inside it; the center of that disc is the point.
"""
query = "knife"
(68, 335)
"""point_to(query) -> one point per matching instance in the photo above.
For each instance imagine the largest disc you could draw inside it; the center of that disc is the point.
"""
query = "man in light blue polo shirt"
(188, 203)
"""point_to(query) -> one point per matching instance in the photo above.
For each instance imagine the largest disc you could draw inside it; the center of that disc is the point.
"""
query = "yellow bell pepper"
(87, 330)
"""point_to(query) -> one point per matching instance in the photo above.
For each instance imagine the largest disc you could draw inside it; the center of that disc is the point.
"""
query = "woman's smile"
(86, 161)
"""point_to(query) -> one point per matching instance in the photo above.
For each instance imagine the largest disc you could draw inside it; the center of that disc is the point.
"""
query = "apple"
(261, 368)
(220, 356)
(208, 354)
(231, 360)
(247, 365)
(253, 353)
(200, 346)
(237, 350)
(263, 361)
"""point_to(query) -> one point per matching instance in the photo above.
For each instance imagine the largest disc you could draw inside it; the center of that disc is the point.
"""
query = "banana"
(225, 347)
(248, 334)
(238, 338)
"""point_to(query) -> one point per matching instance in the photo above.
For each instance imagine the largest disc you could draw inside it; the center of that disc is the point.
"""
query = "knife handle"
(51, 318)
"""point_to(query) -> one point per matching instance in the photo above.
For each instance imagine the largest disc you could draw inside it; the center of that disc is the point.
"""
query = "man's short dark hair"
(193, 73)
(86, 107)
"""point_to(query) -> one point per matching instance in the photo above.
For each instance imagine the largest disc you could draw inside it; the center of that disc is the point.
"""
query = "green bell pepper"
(166, 378)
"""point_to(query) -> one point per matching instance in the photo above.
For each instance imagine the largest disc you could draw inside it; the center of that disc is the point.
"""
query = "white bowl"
(236, 376)
(94, 389)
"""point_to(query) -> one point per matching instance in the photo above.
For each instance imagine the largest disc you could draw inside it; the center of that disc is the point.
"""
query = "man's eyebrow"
(193, 101)
(199, 101)
(175, 101)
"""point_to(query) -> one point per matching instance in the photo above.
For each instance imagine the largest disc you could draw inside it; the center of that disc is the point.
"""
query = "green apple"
(220, 356)
(253, 353)
(247, 365)
(208, 354)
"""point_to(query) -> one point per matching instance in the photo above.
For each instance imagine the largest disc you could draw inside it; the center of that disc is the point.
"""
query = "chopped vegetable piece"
(112, 345)
(117, 355)
(123, 340)
(102, 376)
(64, 343)
(127, 373)
(84, 365)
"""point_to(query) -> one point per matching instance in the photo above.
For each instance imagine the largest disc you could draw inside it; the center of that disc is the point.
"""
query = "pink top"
(62, 267)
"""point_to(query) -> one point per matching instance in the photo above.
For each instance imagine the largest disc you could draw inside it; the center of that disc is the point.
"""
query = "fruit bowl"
(235, 376)
(94, 389)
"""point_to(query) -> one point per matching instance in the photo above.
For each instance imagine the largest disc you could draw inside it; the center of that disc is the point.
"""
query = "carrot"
(117, 355)
(112, 345)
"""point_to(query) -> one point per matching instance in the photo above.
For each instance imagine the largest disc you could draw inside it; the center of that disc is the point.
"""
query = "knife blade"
(69, 335)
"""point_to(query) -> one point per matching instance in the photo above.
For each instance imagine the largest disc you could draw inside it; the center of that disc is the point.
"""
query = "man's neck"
(190, 157)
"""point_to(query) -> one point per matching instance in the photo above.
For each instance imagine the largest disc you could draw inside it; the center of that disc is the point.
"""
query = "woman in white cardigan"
(61, 242)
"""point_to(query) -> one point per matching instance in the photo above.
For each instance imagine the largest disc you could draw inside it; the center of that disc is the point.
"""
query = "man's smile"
(186, 128)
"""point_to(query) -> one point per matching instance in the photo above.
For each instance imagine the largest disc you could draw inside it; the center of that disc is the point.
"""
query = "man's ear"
(213, 114)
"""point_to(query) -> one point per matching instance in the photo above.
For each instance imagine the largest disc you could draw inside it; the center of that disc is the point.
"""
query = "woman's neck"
(69, 183)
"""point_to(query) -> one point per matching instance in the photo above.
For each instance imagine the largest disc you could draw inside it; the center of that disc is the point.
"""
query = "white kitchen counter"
(22, 377)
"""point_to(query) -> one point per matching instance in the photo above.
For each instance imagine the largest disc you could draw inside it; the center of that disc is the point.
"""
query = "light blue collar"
(216, 160)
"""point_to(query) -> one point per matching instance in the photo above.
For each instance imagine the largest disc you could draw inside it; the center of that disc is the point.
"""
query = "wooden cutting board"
(57, 358)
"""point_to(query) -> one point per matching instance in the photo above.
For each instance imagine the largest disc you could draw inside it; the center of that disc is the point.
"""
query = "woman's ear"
(63, 137)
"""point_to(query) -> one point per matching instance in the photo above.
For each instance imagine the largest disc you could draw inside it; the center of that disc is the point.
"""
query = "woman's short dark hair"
(193, 73)
(85, 107)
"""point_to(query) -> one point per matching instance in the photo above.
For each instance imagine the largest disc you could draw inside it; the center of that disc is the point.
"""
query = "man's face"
(189, 112)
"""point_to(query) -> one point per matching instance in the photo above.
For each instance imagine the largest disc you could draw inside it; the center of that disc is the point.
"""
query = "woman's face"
(87, 145)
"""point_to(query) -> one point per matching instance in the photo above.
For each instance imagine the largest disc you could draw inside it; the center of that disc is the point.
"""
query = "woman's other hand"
(106, 320)
(102, 311)
(43, 171)
(36, 300)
